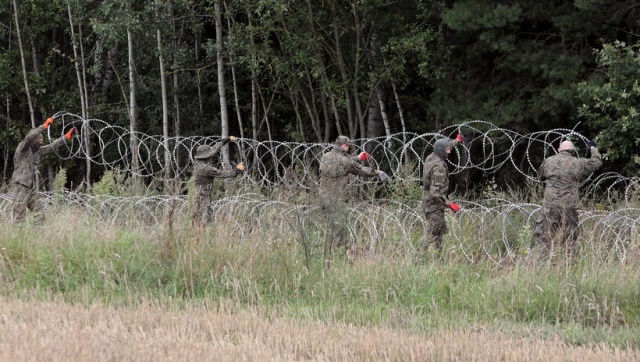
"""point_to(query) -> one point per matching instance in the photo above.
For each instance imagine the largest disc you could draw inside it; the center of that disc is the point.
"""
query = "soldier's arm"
(438, 179)
(355, 168)
(53, 146)
(212, 172)
(218, 146)
(593, 163)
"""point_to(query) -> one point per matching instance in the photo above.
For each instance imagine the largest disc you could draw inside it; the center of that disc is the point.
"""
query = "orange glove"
(48, 122)
(460, 137)
(69, 134)
(454, 207)
(240, 166)
(363, 156)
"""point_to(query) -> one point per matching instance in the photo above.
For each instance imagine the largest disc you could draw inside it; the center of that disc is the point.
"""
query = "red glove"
(363, 156)
(460, 137)
(454, 207)
(48, 122)
(69, 134)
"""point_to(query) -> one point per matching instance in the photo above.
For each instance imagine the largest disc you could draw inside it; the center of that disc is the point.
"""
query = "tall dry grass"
(58, 331)
(260, 260)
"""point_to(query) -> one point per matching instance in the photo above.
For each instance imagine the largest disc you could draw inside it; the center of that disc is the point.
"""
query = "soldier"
(335, 168)
(558, 222)
(25, 178)
(436, 188)
(204, 174)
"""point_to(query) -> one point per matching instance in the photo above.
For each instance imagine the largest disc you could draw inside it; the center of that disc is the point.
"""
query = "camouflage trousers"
(556, 233)
(436, 229)
(200, 216)
(26, 198)
(334, 216)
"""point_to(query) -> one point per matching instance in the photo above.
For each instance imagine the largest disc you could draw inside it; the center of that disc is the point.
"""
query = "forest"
(306, 71)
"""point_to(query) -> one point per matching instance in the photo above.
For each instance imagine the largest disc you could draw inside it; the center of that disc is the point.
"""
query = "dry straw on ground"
(56, 331)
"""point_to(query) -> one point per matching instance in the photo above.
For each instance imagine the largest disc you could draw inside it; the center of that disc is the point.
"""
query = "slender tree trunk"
(356, 70)
(83, 98)
(24, 66)
(236, 98)
(254, 84)
(383, 111)
(5, 152)
(199, 88)
(224, 113)
(351, 123)
(325, 92)
(87, 135)
(378, 123)
(176, 100)
(76, 63)
(401, 115)
(165, 110)
(133, 110)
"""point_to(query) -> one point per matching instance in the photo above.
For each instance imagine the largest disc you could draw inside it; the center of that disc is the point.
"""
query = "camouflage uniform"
(335, 170)
(25, 178)
(204, 174)
(435, 181)
(558, 222)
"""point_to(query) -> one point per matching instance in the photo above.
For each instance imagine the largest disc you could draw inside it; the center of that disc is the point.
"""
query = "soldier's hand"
(70, 133)
(363, 156)
(591, 143)
(240, 167)
(459, 137)
(48, 122)
(382, 175)
(233, 138)
(453, 206)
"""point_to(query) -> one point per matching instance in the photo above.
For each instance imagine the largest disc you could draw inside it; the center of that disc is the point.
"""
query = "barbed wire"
(496, 229)
(501, 228)
(486, 149)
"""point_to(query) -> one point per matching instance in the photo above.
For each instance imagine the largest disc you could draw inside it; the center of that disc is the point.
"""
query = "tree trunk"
(165, 110)
(356, 71)
(83, 98)
(176, 100)
(377, 124)
(236, 99)
(224, 114)
(325, 92)
(383, 111)
(24, 66)
(133, 110)
(352, 125)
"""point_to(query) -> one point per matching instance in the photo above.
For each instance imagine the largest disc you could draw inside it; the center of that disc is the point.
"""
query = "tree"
(610, 104)
(27, 89)
(517, 63)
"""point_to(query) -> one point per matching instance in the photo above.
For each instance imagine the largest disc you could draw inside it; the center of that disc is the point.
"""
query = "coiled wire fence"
(276, 196)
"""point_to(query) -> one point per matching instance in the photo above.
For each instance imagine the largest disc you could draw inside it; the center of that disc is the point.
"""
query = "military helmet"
(343, 140)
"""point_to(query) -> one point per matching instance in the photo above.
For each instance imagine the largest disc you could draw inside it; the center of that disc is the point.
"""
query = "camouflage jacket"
(435, 183)
(335, 168)
(563, 173)
(204, 173)
(27, 158)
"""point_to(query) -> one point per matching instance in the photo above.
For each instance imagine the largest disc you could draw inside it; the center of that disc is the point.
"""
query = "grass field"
(79, 288)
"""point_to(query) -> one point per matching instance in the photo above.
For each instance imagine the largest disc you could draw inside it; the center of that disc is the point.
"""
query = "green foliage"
(610, 104)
